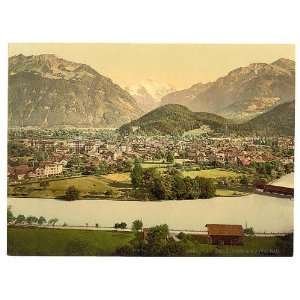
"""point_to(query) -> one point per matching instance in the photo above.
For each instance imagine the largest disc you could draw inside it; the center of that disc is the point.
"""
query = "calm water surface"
(264, 213)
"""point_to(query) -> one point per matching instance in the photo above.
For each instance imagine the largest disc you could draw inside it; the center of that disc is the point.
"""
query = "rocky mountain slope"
(48, 91)
(148, 93)
(244, 92)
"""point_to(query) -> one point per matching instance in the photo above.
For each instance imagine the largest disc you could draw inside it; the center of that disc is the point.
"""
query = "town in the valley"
(42, 154)
(199, 166)
(98, 164)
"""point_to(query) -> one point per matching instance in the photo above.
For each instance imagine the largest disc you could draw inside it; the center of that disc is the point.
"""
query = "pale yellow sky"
(180, 65)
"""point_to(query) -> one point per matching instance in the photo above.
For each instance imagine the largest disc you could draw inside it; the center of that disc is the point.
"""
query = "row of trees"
(178, 187)
(121, 225)
(271, 170)
(30, 220)
(165, 156)
(172, 185)
(136, 226)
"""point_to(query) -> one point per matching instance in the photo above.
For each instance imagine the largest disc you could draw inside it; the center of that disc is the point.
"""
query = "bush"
(20, 219)
(72, 193)
(181, 235)
(249, 231)
(121, 225)
(10, 216)
(41, 220)
(31, 219)
(137, 225)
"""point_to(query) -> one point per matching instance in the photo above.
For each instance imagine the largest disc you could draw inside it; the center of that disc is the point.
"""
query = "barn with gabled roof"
(222, 234)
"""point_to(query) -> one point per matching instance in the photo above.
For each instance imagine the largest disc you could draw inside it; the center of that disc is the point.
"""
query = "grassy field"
(210, 173)
(229, 193)
(57, 188)
(96, 186)
(155, 164)
(253, 246)
(57, 242)
(118, 177)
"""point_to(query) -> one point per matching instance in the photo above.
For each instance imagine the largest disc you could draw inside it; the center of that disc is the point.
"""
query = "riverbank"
(263, 212)
(116, 186)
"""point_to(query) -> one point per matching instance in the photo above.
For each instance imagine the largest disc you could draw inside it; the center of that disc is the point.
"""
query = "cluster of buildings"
(238, 151)
(47, 169)
(222, 151)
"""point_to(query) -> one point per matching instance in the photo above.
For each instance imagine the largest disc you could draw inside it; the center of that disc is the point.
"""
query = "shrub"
(181, 235)
(121, 225)
(41, 220)
(72, 193)
(10, 216)
(249, 231)
(137, 225)
(20, 219)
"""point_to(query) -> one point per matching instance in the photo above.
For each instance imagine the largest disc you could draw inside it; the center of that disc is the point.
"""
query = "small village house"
(221, 234)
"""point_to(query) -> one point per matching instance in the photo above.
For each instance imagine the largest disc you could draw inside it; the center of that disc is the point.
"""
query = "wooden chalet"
(274, 189)
(221, 234)
(282, 190)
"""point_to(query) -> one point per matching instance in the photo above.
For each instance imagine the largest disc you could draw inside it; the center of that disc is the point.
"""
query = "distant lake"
(263, 212)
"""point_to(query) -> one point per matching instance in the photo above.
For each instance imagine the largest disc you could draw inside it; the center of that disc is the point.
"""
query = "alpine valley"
(95, 168)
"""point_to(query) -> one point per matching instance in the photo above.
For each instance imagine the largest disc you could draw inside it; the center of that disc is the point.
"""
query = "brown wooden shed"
(222, 234)
(282, 190)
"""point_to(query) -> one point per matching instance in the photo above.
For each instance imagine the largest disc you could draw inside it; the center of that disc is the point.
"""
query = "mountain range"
(47, 91)
(173, 119)
(243, 93)
(148, 93)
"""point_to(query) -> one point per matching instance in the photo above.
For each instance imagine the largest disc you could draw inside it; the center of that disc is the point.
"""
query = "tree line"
(170, 186)
(29, 220)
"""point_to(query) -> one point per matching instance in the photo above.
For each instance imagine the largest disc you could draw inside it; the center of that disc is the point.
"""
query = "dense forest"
(278, 121)
(175, 119)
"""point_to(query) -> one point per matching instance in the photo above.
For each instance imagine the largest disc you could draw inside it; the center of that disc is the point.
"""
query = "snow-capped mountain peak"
(148, 93)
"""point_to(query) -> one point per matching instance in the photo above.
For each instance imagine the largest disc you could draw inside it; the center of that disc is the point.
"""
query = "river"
(262, 212)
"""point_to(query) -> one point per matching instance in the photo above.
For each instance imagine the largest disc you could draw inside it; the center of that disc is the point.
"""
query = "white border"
(145, 21)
